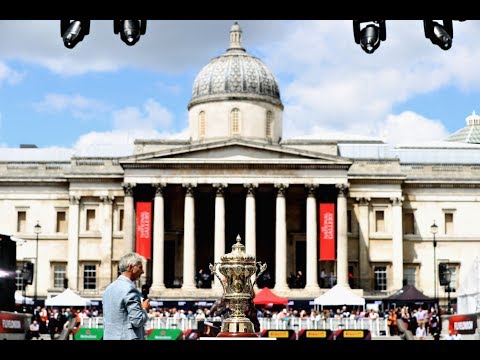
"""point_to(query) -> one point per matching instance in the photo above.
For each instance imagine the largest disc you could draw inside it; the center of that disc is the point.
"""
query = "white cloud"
(10, 76)
(129, 124)
(119, 142)
(79, 106)
(152, 115)
(328, 82)
(169, 46)
(411, 128)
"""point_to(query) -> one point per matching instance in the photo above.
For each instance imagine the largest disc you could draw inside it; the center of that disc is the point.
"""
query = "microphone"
(145, 291)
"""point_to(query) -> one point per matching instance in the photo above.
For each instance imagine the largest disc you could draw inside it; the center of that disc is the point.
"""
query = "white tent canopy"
(67, 298)
(339, 295)
(468, 298)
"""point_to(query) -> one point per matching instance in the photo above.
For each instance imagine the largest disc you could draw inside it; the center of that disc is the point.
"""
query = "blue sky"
(104, 92)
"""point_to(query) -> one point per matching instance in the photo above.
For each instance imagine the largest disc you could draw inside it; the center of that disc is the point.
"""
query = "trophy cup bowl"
(237, 269)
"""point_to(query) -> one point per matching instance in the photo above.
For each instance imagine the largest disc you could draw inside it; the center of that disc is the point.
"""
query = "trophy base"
(237, 334)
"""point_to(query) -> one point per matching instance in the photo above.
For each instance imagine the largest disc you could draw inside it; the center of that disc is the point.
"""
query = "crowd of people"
(52, 321)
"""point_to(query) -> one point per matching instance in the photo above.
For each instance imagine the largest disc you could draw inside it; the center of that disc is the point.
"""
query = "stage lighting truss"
(369, 33)
(73, 31)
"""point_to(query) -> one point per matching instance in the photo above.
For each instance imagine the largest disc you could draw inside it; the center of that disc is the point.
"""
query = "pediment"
(235, 151)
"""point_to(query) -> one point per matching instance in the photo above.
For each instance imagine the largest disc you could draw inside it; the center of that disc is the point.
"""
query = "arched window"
(201, 124)
(269, 125)
(235, 121)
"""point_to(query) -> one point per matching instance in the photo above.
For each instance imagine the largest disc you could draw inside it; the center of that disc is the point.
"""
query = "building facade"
(236, 175)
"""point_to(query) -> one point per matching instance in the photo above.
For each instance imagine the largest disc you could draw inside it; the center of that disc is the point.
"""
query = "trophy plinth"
(237, 269)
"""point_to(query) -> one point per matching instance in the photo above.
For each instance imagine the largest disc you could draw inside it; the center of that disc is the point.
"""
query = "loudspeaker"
(27, 273)
(443, 274)
(8, 259)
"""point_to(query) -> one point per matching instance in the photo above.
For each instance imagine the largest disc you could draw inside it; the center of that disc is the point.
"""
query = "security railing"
(377, 327)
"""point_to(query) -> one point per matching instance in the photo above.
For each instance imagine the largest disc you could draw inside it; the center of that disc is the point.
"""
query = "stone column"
(312, 251)
(397, 243)
(189, 239)
(219, 237)
(342, 239)
(250, 223)
(73, 217)
(129, 218)
(363, 239)
(106, 227)
(281, 240)
(158, 281)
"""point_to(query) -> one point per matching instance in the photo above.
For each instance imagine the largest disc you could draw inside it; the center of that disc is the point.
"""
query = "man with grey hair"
(124, 312)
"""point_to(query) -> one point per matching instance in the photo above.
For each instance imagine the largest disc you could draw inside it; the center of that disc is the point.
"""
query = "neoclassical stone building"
(237, 175)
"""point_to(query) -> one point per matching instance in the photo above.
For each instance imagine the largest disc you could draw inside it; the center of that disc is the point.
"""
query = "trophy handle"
(262, 269)
(213, 269)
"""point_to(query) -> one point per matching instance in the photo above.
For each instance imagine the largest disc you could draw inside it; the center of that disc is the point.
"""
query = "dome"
(235, 75)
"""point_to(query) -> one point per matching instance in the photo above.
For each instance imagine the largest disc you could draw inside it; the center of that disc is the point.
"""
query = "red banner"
(12, 323)
(327, 231)
(144, 229)
(463, 324)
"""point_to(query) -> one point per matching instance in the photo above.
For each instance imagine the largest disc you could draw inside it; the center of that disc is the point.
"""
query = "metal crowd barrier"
(377, 327)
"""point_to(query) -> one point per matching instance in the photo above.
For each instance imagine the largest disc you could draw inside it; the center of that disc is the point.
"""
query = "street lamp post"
(37, 229)
(434, 230)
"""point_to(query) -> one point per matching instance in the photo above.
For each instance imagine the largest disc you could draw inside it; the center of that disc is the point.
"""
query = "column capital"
(189, 188)
(363, 200)
(128, 188)
(397, 200)
(250, 188)
(220, 188)
(159, 188)
(107, 199)
(311, 188)
(281, 189)
(74, 200)
(342, 189)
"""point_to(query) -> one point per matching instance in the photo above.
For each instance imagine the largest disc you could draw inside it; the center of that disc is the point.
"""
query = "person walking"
(124, 311)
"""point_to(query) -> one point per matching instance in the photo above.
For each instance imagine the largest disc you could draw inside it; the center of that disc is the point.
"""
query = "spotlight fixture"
(370, 36)
(73, 31)
(130, 30)
(438, 34)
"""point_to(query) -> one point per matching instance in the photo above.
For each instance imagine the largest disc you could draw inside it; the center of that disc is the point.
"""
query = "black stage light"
(438, 34)
(370, 36)
(130, 30)
(73, 31)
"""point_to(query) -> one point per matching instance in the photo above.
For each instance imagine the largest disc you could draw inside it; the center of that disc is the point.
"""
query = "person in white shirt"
(421, 332)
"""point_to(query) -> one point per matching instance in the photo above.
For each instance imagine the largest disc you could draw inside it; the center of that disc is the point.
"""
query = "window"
(201, 124)
(235, 121)
(120, 219)
(380, 278)
(89, 277)
(379, 221)
(349, 221)
(410, 275)
(408, 223)
(61, 222)
(19, 283)
(21, 221)
(91, 223)
(448, 223)
(59, 275)
(268, 125)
